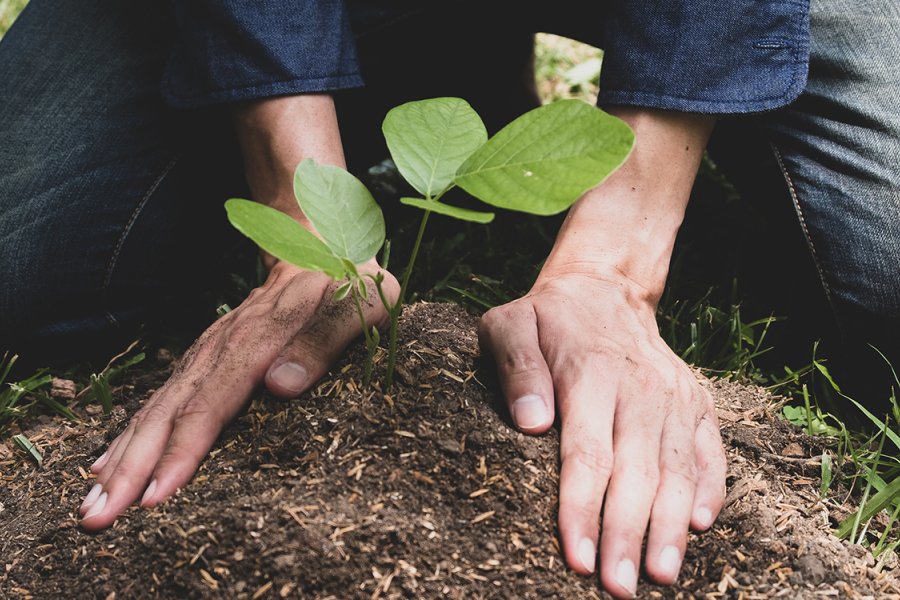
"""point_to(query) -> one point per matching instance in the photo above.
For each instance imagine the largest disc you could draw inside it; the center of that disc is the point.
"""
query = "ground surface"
(423, 493)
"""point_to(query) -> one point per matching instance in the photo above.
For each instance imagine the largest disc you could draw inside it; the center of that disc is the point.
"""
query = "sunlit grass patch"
(565, 68)
(9, 10)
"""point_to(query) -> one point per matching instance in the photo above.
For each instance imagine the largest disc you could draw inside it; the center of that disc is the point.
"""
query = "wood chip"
(293, 512)
(199, 553)
(483, 516)
(262, 590)
(452, 376)
(405, 434)
(793, 449)
(423, 478)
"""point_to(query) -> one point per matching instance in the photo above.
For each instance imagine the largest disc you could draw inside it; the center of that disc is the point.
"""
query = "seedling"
(13, 392)
(541, 163)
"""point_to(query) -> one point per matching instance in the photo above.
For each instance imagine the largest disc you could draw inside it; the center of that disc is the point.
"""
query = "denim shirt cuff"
(705, 56)
(232, 50)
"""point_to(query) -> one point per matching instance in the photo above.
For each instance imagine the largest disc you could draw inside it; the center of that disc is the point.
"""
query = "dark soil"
(425, 492)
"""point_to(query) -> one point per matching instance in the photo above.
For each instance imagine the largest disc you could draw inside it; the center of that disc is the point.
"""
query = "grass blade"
(100, 387)
(25, 444)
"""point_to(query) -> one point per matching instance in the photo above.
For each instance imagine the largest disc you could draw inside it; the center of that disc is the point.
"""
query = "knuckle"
(516, 311)
(198, 404)
(153, 414)
(682, 466)
(598, 463)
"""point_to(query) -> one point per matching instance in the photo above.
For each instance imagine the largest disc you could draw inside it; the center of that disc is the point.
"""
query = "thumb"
(510, 333)
(308, 355)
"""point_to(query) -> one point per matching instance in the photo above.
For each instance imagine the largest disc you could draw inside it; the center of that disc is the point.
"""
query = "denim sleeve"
(705, 56)
(242, 49)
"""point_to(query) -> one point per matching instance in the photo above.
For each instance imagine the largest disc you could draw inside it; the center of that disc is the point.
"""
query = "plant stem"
(412, 258)
(397, 308)
(370, 347)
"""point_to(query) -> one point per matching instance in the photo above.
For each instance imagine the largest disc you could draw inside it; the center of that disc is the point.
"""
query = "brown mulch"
(424, 492)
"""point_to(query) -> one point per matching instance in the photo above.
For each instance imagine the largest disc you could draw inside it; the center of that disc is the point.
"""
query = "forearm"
(276, 134)
(626, 227)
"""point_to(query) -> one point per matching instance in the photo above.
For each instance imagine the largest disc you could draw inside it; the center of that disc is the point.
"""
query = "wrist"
(276, 134)
(623, 231)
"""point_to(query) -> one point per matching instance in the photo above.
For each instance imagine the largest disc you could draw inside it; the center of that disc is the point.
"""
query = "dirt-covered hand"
(640, 438)
(286, 334)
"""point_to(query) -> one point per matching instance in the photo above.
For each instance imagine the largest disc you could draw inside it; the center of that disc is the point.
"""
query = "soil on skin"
(424, 492)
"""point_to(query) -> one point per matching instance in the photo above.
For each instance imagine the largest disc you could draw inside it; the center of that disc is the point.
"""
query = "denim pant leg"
(836, 155)
(98, 219)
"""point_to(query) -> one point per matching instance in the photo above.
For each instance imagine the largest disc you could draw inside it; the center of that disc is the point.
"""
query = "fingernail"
(704, 517)
(98, 461)
(670, 561)
(626, 576)
(529, 412)
(587, 554)
(98, 506)
(290, 376)
(148, 494)
(91, 497)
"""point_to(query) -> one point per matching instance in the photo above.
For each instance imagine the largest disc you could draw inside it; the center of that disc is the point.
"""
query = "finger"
(510, 334)
(308, 355)
(712, 469)
(197, 425)
(125, 475)
(671, 513)
(632, 489)
(586, 451)
(104, 458)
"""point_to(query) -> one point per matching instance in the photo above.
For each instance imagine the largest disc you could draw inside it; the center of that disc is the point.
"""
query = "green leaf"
(879, 502)
(827, 375)
(430, 139)
(826, 474)
(349, 267)
(341, 209)
(115, 371)
(878, 422)
(25, 444)
(342, 291)
(463, 214)
(100, 388)
(363, 290)
(56, 406)
(283, 237)
(546, 159)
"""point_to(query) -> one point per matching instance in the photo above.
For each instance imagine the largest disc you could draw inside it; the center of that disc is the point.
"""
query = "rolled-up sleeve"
(705, 56)
(243, 49)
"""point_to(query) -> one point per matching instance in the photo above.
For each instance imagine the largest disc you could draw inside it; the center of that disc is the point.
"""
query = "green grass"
(9, 10)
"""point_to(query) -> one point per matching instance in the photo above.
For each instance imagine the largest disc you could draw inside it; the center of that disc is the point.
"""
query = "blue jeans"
(828, 168)
(109, 200)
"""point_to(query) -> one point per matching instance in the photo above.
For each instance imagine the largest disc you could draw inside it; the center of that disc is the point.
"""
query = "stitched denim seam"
(796, 201)
(127, 230)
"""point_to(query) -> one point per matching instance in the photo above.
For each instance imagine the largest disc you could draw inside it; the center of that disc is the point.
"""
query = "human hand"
(286, 334)
(640, 438)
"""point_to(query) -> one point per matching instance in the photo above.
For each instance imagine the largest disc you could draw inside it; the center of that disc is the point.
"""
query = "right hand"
(286, 334)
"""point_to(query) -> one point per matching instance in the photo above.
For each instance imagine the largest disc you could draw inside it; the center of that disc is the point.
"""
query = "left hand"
(640, 438)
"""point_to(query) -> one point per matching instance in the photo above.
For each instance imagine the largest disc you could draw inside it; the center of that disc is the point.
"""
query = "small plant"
(541, 163)
(99, 389)
(11, 393)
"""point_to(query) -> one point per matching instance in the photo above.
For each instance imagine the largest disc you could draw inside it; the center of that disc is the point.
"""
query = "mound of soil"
(425, 492)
